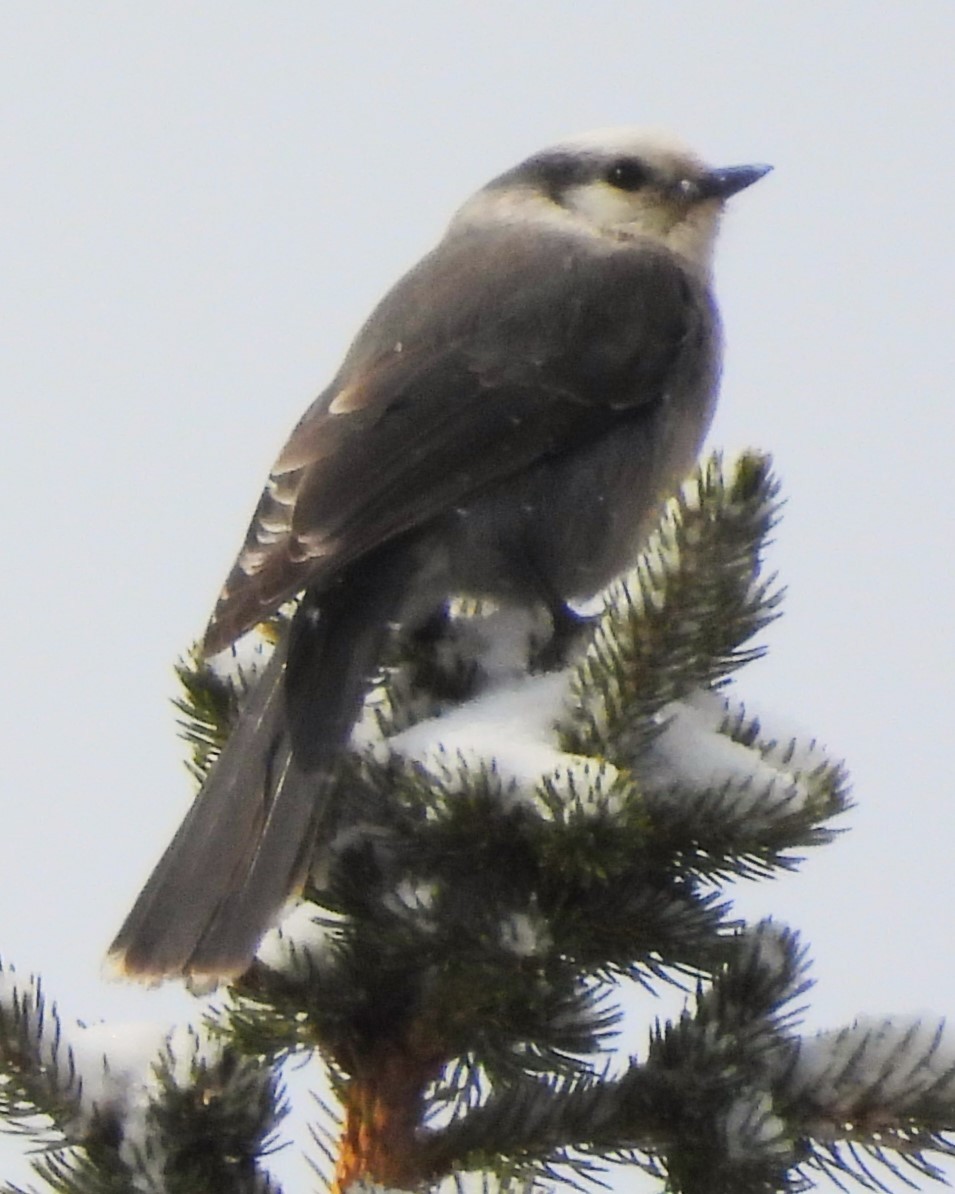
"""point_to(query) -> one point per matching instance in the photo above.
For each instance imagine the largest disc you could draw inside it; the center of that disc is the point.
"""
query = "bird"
(506, 424)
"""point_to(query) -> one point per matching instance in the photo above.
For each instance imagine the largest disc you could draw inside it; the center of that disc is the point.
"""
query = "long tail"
(247, 841)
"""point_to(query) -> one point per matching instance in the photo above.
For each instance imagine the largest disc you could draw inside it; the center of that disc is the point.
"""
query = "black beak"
(720, 184)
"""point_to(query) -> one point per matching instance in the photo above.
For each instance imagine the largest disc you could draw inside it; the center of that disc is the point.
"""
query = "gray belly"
(567, 527)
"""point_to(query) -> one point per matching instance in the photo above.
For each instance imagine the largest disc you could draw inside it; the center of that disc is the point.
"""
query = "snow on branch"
(115, 1106)
(744, 802)
(880, 1091)
(38, 1066)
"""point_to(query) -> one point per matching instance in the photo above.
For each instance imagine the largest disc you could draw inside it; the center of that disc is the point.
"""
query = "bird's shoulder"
(507, 305)
(505, 275)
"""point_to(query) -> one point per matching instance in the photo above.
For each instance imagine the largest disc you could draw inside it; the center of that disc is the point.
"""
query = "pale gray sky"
(201, 203)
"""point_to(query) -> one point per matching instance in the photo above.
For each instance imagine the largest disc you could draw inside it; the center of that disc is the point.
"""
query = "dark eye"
(628, 174)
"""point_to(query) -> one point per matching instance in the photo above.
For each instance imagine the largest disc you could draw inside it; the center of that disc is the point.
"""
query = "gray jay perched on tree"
(505, 425)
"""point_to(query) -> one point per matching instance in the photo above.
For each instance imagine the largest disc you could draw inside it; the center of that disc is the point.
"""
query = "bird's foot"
(568, 631)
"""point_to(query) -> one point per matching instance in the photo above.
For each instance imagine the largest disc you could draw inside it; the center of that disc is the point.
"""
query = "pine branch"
(211, 1118)
(39, 1073)
(704, 1080)
(879, 1092)
(208, 707)
(729, 803)
(42, 1096)
(683, 618)
(199, 1122)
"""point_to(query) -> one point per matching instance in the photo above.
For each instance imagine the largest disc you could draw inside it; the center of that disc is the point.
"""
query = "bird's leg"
(434, 628)
(436, 657)
(568, 629)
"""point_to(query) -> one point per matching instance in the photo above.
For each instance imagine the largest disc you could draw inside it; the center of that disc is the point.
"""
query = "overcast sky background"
(199, 206)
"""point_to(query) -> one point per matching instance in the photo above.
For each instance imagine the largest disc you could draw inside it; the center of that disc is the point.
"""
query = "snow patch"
(694, 752)
(749, 1126)
(887, 1065)
(413, 898)
(771, 947)
(511, 729)
(303, 942)
(244, 661)
(524, 936)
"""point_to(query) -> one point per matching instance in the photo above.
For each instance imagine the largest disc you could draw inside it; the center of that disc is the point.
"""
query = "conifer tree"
(514, 848)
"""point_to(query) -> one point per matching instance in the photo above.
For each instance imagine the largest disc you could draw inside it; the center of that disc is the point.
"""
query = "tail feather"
(209, 899)
(247, 841)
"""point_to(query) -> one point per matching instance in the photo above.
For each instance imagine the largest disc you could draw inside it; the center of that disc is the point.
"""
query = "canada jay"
(505, 425)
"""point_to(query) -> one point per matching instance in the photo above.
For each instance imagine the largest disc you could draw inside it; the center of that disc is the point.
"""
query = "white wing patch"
(272, 523)
(271, 537)
(311, 547)
(282, 488)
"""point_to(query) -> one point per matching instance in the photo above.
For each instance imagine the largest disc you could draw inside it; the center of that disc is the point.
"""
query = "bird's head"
(622, 183)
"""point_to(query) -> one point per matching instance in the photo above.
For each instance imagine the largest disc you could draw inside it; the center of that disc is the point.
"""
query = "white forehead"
(652, 144)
